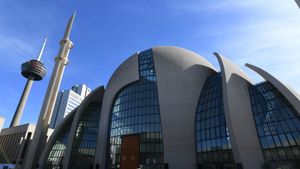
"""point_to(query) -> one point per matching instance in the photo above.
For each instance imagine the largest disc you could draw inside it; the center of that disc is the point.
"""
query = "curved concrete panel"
(53, 138)
(238, 115)
(181, 75)
(95, 95)
(292, 96)
(126, 73)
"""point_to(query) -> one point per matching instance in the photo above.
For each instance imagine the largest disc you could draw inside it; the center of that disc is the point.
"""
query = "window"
(276, 123)
(213, 143)
(84, 144)
(56, 155)
(135, 110)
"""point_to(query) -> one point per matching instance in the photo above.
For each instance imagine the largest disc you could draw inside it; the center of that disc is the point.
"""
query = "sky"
(265, 33)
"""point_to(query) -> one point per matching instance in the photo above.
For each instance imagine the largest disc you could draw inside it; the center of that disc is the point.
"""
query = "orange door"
(130, 152)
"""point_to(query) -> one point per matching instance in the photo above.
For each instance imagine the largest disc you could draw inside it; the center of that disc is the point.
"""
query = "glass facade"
(277, 123)
(213, 143)
(56, 155)
(135, 111)
(85, 138)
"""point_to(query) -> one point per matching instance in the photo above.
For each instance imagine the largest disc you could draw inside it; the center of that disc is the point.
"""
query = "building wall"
(15, 143)
(12, 141)
(125, 74)
(245, 144)
(135, 111)
(181, 75)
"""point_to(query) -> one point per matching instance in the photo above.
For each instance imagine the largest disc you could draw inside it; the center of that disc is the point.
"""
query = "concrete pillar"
(19, 111)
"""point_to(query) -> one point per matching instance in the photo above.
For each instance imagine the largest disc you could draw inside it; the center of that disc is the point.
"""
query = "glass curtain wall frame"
(213, 141)
(277, 123)
(57, 152)
(85, 138)
(135, 110)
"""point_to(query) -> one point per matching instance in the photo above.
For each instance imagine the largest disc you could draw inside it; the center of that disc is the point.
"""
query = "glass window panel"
(296, 152)
(264, 142)
(260, 130)
(211, 123)
(140, 115)
(289, 153)
(270, 141)
(276, 122)
(57, 151)
(297, 137)
(268, 155)
(277, 141)
(297, 124)
(284, 126)
(281, 154)
(83, 147)
(291, 139)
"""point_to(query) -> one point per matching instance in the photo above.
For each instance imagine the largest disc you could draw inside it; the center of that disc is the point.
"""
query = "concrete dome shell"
(180, 74)
(174, 55)
(290, 94)
(180, 56)
(237, 106)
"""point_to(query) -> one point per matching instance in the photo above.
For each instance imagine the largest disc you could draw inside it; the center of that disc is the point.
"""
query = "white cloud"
(12, 47)
(266, 34)
(212, 6)
(271, 42)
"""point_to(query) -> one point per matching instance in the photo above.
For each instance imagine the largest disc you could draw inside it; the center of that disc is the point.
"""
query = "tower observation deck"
(33, 70)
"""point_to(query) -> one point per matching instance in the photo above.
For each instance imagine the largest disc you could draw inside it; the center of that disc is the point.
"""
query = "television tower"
(40, 134)
(33, 70)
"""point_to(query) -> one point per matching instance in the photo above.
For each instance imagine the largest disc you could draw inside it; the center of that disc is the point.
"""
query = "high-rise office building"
(68, 100)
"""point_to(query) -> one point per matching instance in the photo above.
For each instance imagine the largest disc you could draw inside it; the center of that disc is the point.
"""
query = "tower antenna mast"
(32, 70)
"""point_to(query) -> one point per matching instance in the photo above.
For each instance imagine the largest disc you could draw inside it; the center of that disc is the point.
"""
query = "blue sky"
(262, 32)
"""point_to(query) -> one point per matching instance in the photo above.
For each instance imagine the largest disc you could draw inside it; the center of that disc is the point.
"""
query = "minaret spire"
(40, 134)
(69, 27)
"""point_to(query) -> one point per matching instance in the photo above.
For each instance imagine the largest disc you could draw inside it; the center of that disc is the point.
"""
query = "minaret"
(33, 70)
(40, 134)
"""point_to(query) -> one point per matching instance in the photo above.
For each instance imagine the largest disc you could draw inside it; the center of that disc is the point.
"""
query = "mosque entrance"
(130, 152)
